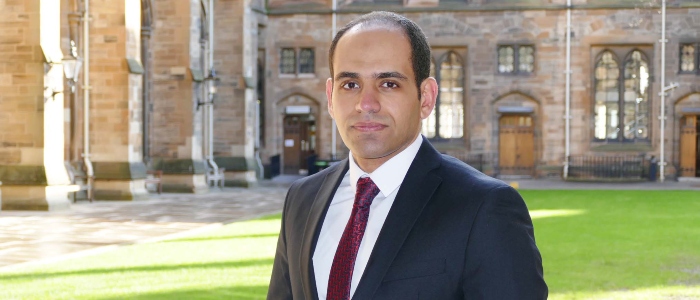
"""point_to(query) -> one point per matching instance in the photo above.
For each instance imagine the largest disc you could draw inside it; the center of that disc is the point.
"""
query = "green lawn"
(595, 245)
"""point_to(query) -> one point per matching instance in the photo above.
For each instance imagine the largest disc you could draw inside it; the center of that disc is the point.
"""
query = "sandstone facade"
(149, 76)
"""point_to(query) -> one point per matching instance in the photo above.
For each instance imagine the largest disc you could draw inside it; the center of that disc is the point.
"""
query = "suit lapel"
(416, 190)
(314, 223)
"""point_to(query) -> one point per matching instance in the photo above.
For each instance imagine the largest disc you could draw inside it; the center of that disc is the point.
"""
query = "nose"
(369, 101)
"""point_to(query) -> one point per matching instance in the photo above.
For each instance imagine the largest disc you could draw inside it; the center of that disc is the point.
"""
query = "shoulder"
(307, 187)
(461, 176)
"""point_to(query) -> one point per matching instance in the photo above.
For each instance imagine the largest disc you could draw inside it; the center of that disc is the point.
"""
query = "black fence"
(622, 167)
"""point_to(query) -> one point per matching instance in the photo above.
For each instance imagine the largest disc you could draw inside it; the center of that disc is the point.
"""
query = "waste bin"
(653, 164)
(311, 164)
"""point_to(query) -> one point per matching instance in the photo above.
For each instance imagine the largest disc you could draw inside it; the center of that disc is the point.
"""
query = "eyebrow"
(381, 75)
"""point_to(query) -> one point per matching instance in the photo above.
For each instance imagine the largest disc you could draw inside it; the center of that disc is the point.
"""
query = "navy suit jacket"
(452, 233)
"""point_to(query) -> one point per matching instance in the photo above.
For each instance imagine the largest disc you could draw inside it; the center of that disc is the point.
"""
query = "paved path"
(35, 237)
(30, 236)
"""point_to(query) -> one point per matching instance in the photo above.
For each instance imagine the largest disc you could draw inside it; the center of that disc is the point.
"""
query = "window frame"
(696, 63)
(621, 53)
(297, 62)
(312, 60)
(281, 64)
(439, 56)
(516, 59)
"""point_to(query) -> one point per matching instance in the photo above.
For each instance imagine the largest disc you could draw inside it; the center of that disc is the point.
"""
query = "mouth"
(368, 126)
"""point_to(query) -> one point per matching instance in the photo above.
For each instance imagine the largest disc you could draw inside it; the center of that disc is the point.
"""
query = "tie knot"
(366, 191)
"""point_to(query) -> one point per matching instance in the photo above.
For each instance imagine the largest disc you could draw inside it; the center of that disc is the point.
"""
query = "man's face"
(373, 95)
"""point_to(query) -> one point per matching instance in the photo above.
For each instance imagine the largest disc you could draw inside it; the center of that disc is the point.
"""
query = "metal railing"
(626, 167)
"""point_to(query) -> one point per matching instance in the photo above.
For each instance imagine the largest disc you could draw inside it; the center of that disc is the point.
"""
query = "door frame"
(532, 126)
(680, 144)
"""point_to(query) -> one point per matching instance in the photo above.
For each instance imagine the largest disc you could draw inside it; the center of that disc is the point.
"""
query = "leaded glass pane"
(451, 103)
(688, 58)
(306, 61)
(505, 59)
(526, 59)
(606, 97)
(636, 112)
(288, 61)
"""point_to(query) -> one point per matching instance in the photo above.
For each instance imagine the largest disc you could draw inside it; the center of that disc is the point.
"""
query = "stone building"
(190, 87)
(501, 66)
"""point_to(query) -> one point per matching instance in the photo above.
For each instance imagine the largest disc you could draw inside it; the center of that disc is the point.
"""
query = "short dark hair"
(420, 49)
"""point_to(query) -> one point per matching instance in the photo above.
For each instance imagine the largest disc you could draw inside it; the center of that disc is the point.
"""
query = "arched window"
(607, 75)
(621, 104)
(447, 119)
(636, 113)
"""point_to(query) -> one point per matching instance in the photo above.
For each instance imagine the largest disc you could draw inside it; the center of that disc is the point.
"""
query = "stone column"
(32, 171)
(235, 57)
(177, 88)
(115, 76)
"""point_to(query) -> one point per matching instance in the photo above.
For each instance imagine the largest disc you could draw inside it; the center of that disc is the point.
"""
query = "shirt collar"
(388, 176)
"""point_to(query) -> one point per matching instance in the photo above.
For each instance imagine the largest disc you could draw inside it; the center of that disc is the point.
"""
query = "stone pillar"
(32, 171)
(115, 76)
(177, 88)
(235, 57)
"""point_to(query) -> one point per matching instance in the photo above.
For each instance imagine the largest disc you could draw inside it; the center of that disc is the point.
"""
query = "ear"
(329, 95)
(428, 96)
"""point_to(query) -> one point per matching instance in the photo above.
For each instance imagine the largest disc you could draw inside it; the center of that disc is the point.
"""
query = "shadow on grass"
(251, 292)
(214, 238)
(41, 274)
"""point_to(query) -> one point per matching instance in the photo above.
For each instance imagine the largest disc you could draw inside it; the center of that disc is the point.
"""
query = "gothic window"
(516, 59)
(689, 56)
(288, 61)
(447, 119)
(621, 97)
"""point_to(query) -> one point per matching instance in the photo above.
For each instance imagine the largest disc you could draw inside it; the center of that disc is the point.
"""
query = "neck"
(369, 165)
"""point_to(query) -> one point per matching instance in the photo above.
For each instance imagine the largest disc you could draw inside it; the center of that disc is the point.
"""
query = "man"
(398, 220)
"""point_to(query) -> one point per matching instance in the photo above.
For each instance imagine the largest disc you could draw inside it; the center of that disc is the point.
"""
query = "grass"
(595, 245)
(619, 244)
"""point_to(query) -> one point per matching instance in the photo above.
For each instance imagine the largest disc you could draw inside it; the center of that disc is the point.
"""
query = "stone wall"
(478, 32)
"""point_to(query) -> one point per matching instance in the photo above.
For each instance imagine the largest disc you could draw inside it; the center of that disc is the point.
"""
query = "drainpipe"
(86, 90)
(567, 96)
(662, 117)
(210, 104)
(334, 138)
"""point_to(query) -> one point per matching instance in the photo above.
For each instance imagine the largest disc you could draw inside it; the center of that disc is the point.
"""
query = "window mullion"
(516, 59)
(621, 103)
(697, 58)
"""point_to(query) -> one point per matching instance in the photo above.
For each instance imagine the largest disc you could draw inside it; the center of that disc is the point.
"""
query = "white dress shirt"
(388, 178)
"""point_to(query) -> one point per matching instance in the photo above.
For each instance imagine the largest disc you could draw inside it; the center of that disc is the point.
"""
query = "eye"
(350, 85)
(390, 84)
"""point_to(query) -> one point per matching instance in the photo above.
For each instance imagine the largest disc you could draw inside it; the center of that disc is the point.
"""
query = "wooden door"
(689, 146)
(299, 143)
(516, 150)
(292, 145)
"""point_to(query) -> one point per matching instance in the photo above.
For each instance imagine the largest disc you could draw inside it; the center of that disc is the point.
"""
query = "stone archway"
(297, 132)
(516, 122)
(687, 136)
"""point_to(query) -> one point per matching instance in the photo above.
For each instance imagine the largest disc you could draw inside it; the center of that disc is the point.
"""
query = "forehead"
(372, 45)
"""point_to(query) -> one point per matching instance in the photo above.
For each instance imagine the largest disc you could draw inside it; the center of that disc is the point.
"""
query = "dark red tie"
(344, 260)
